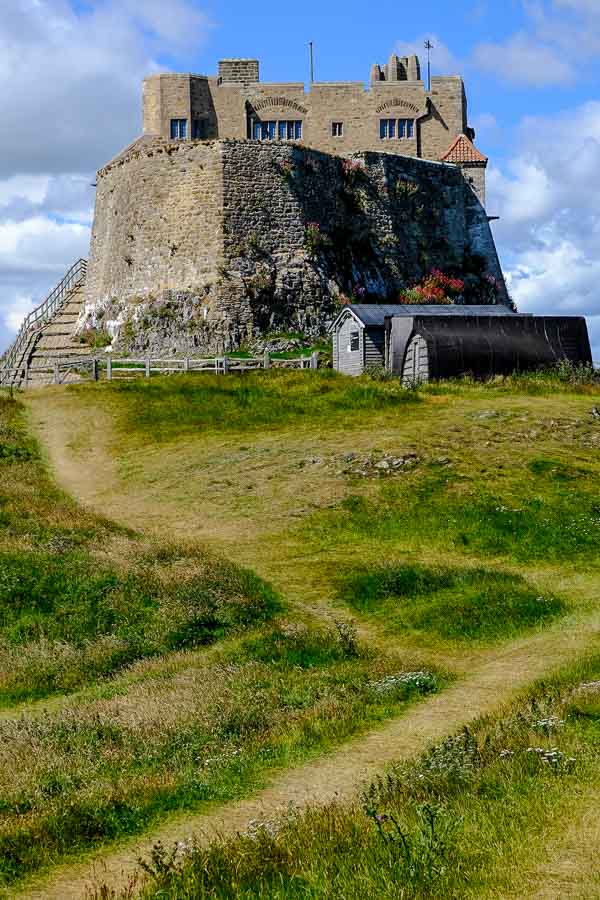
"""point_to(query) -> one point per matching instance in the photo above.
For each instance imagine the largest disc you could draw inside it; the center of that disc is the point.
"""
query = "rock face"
(200, 247)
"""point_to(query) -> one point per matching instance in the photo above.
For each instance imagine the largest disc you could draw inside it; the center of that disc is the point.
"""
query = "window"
(283, 130)
(178, 129)
(387, 129)
(396, 128)
(354, 341)
(337, 129)
(199, 129)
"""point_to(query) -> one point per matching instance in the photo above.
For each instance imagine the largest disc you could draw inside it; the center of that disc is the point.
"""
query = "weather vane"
(429, 47)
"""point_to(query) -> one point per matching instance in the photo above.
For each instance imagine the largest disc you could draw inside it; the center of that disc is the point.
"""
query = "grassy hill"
(274, 587)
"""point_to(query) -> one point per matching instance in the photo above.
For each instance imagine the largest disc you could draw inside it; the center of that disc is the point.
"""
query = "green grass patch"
(471, 818)
(65, 620)
(165, 408)
(106, 768)
(458, 604)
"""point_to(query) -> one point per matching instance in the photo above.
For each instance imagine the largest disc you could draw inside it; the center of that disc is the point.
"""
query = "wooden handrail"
(12, 358)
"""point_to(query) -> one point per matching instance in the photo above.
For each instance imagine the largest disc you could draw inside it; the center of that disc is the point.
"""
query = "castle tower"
(465, 154)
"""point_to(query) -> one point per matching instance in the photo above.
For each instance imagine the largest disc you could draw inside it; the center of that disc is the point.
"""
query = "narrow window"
(392, 128)
(178, 129)
(354, 341)
(401, 128)
(298, 131)
(337, 129)
(283, 131)
(272, 130)
(257, 130)
(410, 128)
(383, 131)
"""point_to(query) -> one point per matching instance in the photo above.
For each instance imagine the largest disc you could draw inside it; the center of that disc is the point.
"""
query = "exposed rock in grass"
(375, 465)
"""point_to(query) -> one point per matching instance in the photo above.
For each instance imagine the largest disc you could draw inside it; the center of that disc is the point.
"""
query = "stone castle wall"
(200, 246)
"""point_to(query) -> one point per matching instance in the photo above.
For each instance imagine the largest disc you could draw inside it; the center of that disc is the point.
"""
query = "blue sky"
(72, 71)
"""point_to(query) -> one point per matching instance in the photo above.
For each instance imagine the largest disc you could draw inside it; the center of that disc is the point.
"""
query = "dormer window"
(178, 129)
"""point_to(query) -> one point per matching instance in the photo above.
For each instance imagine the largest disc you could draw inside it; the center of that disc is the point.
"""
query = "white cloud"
(72, 80)
(71, 99)
(16, 310)
(522, 61)
(560, 36)
(31, 188)
(20, 244)
(548, 197)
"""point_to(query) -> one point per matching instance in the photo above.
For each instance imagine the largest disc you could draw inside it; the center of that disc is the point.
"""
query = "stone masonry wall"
(200, 247)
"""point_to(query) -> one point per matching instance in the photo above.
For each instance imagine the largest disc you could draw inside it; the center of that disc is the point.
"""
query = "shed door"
(416, 362)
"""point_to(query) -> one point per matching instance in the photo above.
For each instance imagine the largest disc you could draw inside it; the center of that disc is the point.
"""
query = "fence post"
(186, 364)
(225, 365)
(267, 360)
(314, 360)
(109, 368)
(147, 368)
(95, 369)
(56, 374)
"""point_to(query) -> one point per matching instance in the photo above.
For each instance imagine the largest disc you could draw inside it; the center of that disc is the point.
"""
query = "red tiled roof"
(463, 151)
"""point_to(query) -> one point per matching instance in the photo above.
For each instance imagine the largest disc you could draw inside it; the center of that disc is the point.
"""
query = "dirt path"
(340, 774)
(87, 470)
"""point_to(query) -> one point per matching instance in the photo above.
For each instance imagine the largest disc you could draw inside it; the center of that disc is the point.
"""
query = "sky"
(71, 74)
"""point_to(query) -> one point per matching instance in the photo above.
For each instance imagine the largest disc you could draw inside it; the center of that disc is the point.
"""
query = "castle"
(246, 208)
(396, 113)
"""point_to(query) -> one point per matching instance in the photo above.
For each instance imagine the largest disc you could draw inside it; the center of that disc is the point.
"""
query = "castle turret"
(465, 154)
(406, 68)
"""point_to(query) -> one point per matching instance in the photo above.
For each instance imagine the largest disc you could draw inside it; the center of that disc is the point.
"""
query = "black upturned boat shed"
(423, 342)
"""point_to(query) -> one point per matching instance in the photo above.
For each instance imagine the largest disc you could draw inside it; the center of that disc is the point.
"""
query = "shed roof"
(376, 313)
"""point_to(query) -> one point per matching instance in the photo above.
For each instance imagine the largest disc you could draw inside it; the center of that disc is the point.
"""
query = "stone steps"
(57, 340)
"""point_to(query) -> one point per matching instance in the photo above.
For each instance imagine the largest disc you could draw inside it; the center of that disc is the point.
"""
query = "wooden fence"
(114, 368)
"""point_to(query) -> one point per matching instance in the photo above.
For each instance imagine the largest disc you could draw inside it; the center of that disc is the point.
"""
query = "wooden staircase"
(47, 334)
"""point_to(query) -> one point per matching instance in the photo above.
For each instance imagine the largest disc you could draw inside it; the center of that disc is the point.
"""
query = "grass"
(164, 409)
(69, 613)
(451, 824)
(105, 768)
(547, 517)
(458, 604)
(498, 508)
(98, 613)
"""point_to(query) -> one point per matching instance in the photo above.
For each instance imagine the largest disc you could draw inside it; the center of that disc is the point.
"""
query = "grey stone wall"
(199, 247)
